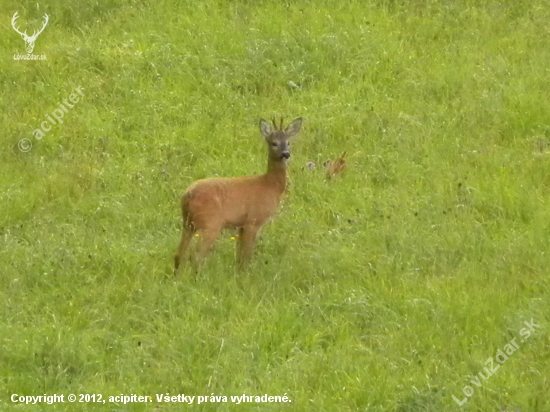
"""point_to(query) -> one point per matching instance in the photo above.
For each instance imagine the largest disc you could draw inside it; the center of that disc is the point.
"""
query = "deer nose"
(285, 155)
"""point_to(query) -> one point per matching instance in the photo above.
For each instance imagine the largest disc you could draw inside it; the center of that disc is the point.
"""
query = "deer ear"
(294, 127)
(265, 128)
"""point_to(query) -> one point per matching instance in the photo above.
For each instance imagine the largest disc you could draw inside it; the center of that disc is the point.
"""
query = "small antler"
(280, 126)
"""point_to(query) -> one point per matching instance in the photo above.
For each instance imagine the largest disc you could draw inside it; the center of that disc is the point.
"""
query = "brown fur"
(336, 167)
(245, 203)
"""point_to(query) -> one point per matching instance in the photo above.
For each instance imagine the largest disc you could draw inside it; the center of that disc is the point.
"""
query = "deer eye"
(274, 144)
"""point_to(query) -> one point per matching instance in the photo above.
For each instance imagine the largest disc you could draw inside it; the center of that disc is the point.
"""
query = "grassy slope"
(444, 108)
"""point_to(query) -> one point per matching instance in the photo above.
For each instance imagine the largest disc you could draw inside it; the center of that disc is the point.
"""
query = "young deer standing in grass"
(246, 203)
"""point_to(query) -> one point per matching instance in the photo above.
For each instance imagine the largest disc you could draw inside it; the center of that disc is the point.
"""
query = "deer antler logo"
(29, 40)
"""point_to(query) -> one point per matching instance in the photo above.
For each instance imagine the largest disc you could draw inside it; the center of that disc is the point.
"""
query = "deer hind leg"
(207, 237)
(186, 236)
(245, 245)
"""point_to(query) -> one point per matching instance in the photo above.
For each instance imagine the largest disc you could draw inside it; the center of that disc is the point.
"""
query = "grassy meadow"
(387, 288)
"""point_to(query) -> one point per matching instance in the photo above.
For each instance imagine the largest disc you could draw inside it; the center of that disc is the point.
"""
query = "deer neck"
(276, 173)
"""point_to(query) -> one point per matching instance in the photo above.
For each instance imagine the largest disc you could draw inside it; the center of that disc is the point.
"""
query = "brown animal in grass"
(336, 167)
(246, 203)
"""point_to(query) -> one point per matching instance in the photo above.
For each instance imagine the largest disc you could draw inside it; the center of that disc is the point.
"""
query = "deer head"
(277, 138)
(29, 40)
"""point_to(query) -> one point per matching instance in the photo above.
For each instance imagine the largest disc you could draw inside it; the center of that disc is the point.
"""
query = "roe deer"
(246, 203)
(336, 167)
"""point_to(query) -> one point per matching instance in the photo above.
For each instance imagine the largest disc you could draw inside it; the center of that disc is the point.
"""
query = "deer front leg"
(245, 245)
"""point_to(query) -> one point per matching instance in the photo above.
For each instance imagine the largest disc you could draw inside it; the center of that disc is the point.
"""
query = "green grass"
(385, 289)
